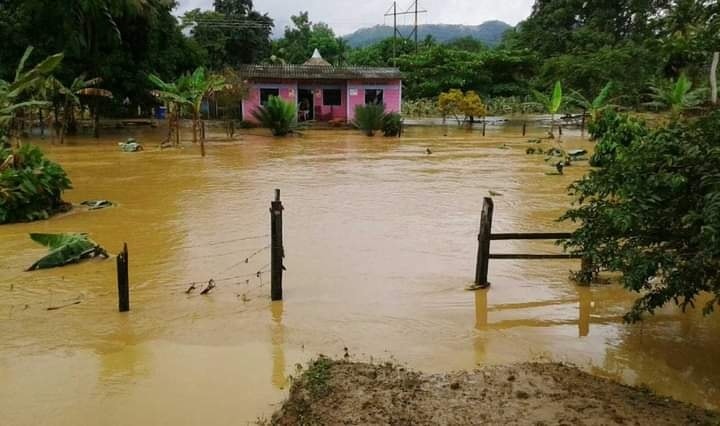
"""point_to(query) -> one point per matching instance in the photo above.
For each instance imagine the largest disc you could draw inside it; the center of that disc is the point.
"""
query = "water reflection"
(279, 378)
(125, 360)
(481, 309)
(585, 306)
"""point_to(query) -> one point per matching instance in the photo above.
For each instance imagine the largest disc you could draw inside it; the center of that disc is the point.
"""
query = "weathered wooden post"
(123, 280)
(560, 129)
(484, 124)
(524, 127)
(483, 255)
(277, 251)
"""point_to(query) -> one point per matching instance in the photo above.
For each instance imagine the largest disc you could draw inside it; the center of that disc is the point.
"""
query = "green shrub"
(277, 115)
(392, 124)
(613, 131)
(652, 212)
(31, 186)
(369, 118)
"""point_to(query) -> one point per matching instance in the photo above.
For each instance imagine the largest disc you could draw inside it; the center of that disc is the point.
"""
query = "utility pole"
(395, 31)
(412, 10)
(416, 26)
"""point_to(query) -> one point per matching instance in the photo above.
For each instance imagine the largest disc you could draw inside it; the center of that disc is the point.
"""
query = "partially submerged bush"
(614, 131)
(652, 211)
(369, 118)
(392, 124)
(277, 115)
(31, 186)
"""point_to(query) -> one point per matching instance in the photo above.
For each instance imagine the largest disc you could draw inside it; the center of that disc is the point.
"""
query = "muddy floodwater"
(380, 239)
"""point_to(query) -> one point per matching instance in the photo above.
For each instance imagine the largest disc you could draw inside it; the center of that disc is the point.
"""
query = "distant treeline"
(583, 44)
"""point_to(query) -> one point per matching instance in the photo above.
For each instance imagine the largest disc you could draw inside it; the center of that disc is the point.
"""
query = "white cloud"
(346, 16)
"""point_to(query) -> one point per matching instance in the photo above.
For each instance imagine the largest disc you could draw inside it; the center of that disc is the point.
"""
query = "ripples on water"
(380, 240)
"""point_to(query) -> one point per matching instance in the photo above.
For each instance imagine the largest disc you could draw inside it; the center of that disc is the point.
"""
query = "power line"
(413, 9)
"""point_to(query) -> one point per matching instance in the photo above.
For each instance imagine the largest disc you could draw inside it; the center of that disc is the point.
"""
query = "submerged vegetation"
(277, 115)
(31, 186)
(369, 118)
(652, 210)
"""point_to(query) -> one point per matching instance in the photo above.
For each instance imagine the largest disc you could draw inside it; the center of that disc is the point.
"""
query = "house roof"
(317, 60)
(318, 72)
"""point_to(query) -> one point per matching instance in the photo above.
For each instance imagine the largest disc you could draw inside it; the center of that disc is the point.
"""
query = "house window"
(332, 97)
(265, 95)
(373, 96)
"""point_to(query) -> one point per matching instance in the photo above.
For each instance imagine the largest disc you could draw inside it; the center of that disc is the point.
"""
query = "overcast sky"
(345, 16)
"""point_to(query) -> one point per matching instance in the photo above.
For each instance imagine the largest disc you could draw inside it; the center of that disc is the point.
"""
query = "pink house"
(322, 92)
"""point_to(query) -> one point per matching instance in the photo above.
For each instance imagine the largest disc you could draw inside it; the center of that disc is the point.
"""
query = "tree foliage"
(652, 211)
(303, 37)
(231, 34)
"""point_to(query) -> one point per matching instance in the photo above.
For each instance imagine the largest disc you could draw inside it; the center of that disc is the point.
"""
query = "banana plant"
(550, 103)
(677, 96)
(594, 107)
(190, 90)
(174, 96)
(13, 93)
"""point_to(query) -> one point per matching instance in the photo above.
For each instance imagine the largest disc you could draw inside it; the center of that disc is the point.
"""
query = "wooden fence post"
(524, 127)
(484, 124)
(123, 280)
(277, 251)
(483, 255)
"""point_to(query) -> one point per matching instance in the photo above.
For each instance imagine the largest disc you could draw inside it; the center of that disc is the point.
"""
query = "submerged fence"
(277, 254)
(276, 266)
(485, 236)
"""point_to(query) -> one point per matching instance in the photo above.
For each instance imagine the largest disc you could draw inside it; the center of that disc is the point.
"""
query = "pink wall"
(352, 94)
(392, 94)
(287, 90)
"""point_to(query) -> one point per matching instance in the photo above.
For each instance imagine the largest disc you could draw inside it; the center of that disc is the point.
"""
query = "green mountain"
(489, 32)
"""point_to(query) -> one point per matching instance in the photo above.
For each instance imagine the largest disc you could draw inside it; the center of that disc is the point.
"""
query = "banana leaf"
(65, 249)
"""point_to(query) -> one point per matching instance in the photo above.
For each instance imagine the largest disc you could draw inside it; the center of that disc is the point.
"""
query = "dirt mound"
(338, 392)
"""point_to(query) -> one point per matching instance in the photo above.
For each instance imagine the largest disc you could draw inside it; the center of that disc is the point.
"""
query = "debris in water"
(55, 308)
(494, 194)
(210, 286)
(96, 204)
(576, 152)
(560, 166)
(66, 249)
(130, 145)
(428, 151)
(190, 289)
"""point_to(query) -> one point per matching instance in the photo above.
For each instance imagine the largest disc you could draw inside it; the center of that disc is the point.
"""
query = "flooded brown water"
(380, 240)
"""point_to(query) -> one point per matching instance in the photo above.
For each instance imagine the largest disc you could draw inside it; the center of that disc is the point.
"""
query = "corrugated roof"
(318, 72)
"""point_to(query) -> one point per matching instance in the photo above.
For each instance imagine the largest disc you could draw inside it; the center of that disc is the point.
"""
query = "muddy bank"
(338, 392)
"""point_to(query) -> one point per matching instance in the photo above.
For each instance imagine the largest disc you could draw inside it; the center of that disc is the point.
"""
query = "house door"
(306, 104)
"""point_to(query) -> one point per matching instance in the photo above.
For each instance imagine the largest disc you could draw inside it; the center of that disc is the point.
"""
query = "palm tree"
(594, 107)
(550, 103)
(677, 96)
(87, 20)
